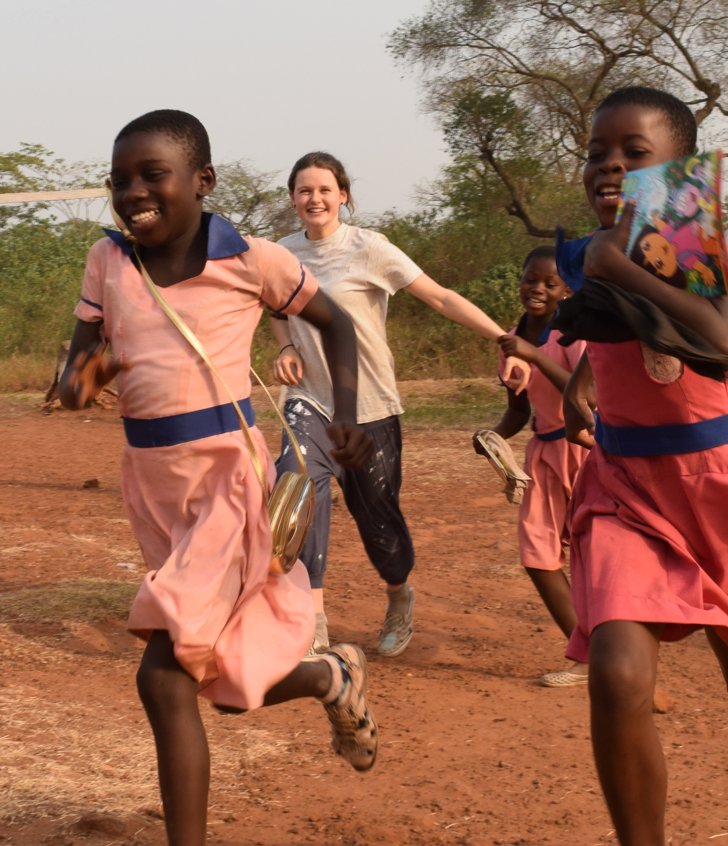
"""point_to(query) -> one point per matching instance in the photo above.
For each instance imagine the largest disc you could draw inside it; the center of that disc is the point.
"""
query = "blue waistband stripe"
(671, 439)
(556, 435)
(191, 426)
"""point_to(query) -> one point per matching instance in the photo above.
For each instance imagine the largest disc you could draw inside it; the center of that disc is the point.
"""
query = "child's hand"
(608, 245)
(288, 367)
(91, 371)
(515, 346)
(352, 445)
(516, 371)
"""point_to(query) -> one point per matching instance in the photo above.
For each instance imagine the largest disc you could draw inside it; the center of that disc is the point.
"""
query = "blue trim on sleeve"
(92, 304)
(293, 295)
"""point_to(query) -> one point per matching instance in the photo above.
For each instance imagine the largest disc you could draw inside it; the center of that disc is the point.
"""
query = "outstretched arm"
(513, 345)
(452, 305)
(606, 259)
(88, 368)
(352, 446)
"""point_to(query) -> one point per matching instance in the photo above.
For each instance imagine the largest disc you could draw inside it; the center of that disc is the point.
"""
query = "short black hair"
(182, 127)
(545, 251)
(681, 120)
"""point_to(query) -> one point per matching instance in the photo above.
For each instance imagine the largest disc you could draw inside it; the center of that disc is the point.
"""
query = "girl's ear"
(207, 179)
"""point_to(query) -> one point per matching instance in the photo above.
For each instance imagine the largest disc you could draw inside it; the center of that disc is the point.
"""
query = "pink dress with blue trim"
(193, 498)
(649, 533)
(551, 461)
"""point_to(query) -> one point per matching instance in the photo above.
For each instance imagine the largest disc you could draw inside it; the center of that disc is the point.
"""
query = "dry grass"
(75, 600)
(26, 373)
(67, 748)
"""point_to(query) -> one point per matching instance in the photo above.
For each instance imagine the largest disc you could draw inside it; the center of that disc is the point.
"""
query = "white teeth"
(144, 217)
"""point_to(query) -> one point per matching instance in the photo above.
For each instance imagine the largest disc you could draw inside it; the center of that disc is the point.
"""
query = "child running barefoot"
(215, 621)
(552, 462)
(649, 534)
(360, 270)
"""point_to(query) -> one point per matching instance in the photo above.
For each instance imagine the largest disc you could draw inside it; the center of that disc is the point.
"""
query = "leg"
(627, 751)
(720, 648)
(372, 497)
(309, 427)
(169, 697)
(553, 588)
(339, 680)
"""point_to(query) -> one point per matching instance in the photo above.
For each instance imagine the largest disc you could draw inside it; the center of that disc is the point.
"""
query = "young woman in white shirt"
(359, 269)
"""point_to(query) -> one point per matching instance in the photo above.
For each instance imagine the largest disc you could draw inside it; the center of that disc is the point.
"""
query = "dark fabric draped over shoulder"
(606, 313)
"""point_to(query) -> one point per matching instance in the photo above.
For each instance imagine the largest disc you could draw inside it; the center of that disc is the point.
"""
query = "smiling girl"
(360, 270)
(551, 461)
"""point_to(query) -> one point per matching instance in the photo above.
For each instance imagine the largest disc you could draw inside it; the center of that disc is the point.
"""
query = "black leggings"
(371, 494)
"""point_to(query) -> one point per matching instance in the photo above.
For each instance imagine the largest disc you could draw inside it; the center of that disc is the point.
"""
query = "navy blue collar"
(223, 239)
(521, 331)
(570, 259)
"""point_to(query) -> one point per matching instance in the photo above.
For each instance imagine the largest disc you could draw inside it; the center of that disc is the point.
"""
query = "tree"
(250, 201)
(514, 82)
(34, 168)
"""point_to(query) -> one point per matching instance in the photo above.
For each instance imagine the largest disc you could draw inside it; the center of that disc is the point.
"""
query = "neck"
(535, 325)
(182, 258)
(317, 233)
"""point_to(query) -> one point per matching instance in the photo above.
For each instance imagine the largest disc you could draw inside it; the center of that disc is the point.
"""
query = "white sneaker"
(397, 629)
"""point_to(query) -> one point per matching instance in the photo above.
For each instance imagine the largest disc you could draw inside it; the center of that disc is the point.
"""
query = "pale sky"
(270, 81)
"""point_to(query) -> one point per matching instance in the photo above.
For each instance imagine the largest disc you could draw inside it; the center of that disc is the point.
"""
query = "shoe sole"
(363, 663)
(564, 679)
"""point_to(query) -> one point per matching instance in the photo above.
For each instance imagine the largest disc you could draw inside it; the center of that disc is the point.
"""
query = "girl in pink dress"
(649, 533)
(551, 461)
(216, 622)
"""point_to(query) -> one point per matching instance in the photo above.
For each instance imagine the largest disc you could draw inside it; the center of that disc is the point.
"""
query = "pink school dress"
(551, 461)
(193, 498)
(649, 532)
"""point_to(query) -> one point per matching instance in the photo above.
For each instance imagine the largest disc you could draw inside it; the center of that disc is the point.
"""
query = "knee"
(619, 683)
(162, 684)
(151, 686)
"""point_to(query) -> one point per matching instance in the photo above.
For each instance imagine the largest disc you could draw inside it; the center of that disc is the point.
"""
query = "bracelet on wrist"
(286, 347)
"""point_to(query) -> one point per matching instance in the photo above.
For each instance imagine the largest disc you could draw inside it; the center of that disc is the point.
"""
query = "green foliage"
(514, 84)
(251, 202)
(42, 269)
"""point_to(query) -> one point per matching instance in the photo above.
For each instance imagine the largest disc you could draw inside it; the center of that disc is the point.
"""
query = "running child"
(215, 621)
(360, 270)
(552, 462)
(648, 531)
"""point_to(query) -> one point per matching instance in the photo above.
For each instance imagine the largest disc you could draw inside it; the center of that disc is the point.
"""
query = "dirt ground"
(473, 752)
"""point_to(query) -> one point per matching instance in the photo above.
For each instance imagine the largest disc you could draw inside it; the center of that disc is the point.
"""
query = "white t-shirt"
(359, 269)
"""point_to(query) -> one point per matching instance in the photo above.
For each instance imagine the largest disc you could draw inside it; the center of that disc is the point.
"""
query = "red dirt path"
(473, 752)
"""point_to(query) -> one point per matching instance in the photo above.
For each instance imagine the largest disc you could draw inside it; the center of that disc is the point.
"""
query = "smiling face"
(623, 138)
(156, 190)
(317, 198)
(541, 288)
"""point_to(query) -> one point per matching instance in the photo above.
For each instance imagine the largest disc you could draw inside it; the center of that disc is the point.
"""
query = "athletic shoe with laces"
(397, 629)
(354, 733)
